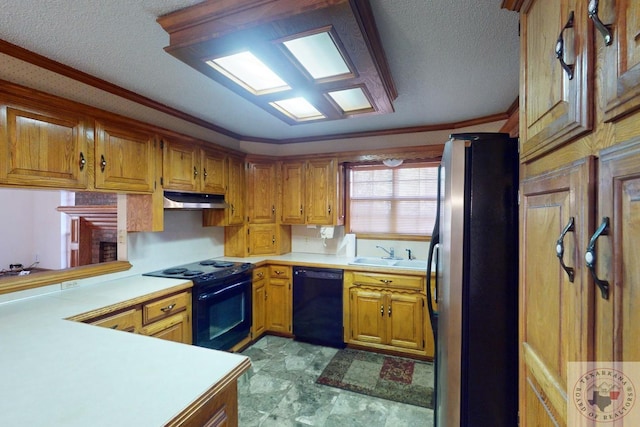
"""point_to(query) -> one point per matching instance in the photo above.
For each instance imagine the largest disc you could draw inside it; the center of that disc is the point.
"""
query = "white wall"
(31, 228)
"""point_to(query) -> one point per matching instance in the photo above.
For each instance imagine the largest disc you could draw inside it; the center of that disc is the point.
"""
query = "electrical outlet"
(69, 285)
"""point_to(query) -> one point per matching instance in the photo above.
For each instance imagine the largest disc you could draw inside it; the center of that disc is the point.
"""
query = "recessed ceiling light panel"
(248, 71)
(298, 109)
(351, 100)
(319, 55)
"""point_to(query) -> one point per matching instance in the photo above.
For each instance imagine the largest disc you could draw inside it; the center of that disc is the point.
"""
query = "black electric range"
(204, 272)
(221, 298)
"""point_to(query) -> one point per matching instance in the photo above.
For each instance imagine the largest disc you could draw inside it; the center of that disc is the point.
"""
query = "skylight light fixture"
(319, 55)
(249, 72)
(270, 52)
(351, 100)
(298, 109)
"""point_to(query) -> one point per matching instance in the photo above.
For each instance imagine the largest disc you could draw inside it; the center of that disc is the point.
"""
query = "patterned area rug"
(392, 378)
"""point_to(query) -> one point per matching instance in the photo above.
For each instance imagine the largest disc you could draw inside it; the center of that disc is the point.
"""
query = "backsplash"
(307, 239)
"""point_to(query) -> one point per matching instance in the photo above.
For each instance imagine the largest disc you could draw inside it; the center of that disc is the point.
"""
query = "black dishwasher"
(317, 306)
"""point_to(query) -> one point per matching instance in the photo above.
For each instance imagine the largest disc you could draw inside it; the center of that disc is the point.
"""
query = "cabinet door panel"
(214, 172)
(262, 239)
(181, 166)
(368, 315)
(176, 328)
(279, 305)
(321, 192)
(262, 193)
(259, 308)
(124, 158)
(42, 148)
(236, 194)
(554, 108)
(554, 310)
(618, 253)
(621, 65)
(406, 320)
(293, 191)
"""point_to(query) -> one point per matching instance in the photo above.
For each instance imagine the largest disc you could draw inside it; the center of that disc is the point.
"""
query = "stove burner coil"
(191, 273)
(213, 263)
(174, 270)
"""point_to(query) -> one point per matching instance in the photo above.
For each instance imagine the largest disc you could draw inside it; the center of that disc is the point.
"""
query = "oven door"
(222, 313)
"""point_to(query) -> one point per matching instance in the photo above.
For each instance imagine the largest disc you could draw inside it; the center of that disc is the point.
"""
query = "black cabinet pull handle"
(205, 174)
(592, 12)
(82, 161)
(568, 68)
(590, 257)
(195, 172)
(103, 163)
(560, 249)
(382, 310)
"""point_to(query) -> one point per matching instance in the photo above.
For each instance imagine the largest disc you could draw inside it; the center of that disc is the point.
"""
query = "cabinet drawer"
(164, 307)
(123, 321)
(389, 280)
(259, 273)
(280, 271)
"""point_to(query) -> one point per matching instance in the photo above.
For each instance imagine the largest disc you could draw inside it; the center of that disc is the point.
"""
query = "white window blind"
(400, 200)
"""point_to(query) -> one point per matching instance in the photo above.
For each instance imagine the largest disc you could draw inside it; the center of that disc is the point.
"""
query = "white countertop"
(57, 372)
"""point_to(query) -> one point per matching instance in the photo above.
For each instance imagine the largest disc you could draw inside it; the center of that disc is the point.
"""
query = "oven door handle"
(223, 289)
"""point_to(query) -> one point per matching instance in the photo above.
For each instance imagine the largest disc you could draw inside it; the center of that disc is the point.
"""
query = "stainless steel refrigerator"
(475, 251)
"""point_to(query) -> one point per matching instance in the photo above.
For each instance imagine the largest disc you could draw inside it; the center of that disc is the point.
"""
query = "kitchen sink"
(394, 263)
(373, 261)
(411, 263)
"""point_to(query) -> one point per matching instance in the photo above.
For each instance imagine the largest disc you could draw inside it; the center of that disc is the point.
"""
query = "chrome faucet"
(391, 252)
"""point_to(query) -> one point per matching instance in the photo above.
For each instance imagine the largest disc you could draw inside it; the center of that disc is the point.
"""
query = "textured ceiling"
(451, 60)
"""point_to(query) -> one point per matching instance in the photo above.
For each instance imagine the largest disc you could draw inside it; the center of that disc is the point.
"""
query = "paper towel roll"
(350, 245)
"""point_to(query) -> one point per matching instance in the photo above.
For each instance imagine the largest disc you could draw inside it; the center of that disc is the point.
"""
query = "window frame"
(382, 236)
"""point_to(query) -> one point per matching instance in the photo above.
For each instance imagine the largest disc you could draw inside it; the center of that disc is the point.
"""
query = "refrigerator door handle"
(434, 247)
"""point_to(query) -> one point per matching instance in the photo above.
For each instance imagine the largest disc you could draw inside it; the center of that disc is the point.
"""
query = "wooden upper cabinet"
(180, 165)
(321, 192)
(555, 101)
(236, 192)
(188, 167)
(214, 172)
(621, 64)
(262, 192)
(312, 192)
(124, 158)
(43, 147)
(293, 192)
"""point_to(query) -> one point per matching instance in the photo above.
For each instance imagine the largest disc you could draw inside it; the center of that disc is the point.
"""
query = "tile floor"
(280, 390)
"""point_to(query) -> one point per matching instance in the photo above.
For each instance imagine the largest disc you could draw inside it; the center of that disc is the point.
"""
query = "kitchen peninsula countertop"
(57, 372)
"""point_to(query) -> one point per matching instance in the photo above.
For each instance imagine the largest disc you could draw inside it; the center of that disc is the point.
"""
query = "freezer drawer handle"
(590, 257)
(560, 249)
(568, 68)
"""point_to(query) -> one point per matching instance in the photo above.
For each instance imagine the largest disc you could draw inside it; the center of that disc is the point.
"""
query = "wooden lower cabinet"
(167, 317)
(175, 328)
(127, 320)
(259, 302)
(279, 301)
(387, 317)
(554, 307)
